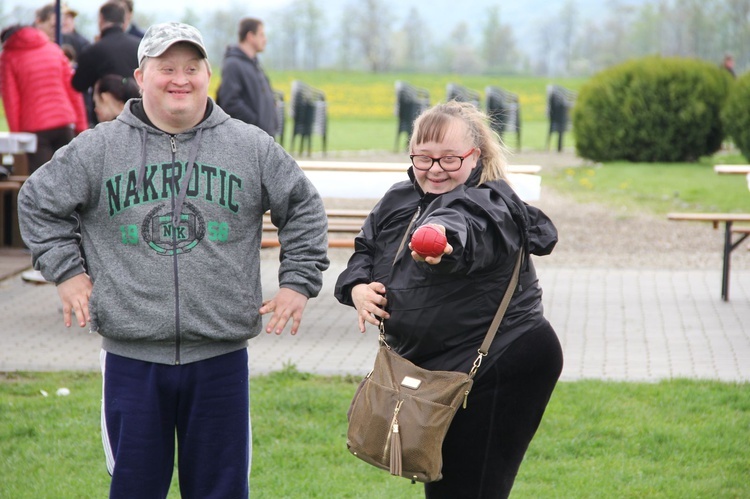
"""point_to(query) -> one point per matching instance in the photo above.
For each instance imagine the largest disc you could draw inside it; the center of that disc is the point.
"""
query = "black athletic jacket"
(440, 314)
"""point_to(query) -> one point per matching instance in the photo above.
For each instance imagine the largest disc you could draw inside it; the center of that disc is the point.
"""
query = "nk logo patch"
(168, 239)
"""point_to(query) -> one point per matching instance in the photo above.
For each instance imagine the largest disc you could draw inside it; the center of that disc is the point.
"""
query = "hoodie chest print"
(158, 229)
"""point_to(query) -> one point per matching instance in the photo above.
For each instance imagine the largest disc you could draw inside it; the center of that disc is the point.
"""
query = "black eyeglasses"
(447, 163)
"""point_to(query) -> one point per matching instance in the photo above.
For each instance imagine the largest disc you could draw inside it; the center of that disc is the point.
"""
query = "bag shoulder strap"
(490, 336)
(406, 235)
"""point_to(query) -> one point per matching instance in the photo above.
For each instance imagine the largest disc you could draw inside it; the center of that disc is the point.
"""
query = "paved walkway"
(614, 324)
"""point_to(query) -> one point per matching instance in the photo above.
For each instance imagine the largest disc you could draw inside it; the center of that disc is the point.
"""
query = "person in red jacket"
(35, 84)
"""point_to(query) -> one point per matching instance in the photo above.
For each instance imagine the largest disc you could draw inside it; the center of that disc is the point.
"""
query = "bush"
(736, 115)
(652, 110)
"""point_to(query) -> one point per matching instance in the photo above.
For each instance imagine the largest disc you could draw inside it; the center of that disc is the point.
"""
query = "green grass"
(673, 439)
(361, 105)
(657, 187)
(362, 94)
(375, 135)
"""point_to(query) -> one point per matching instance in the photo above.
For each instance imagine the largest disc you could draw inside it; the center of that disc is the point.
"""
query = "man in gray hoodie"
(245, 92)
(170, 198)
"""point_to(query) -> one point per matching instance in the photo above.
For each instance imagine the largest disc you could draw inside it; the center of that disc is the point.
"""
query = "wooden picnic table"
(728, 219)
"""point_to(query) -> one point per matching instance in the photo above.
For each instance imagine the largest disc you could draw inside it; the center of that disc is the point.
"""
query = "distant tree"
(587, 55)
(297, 41)
(285, 39)
(685, 28)
(461, 34)
(412, 43)
(498, 44)
(691, 22)
(615, 45)
(312, 20)
(557, 41)
(345, 39)
(647, 30)
(191, 17)
(568, 22)
(546, 47)
(702, 24)
(371, 23)
(220, 30)
(736, 29)
(458, 53)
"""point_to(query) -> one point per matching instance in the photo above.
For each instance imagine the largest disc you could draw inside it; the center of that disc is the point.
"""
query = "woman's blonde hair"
(432, 124)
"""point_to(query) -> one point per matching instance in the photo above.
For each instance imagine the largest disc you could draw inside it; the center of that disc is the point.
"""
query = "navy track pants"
(203, 407)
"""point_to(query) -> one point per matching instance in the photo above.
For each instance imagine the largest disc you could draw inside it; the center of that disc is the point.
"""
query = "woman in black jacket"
(437, 310)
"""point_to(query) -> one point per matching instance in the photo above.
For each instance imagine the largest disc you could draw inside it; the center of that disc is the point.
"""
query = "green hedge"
(653, 109)
(736, 115)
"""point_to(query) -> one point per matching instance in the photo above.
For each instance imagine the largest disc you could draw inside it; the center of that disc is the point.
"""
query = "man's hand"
(74, 294)
(287, 304)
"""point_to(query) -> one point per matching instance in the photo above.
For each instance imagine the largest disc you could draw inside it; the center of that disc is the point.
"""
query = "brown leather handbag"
(401, 413)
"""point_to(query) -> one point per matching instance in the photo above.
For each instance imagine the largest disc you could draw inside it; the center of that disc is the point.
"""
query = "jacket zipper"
(175, 268)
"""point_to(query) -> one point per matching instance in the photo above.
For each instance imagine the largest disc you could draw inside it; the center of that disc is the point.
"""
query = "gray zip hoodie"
(171, 228)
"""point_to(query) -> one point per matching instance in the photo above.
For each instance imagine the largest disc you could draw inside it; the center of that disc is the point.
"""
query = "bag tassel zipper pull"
(395, 461)
(396, 465)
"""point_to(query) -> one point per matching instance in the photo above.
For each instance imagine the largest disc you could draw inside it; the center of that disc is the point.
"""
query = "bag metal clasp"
(477, 363)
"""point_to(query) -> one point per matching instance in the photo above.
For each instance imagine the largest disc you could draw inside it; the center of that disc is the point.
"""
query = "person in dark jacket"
(71, 36)
(116, 52)
(245, 91)
(130, 27)
(437, 310)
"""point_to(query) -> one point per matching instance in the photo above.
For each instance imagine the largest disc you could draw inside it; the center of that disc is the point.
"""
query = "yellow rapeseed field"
(372, 96)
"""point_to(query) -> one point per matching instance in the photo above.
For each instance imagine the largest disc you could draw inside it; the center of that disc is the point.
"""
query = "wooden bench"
(730, 243)
(343, 223)
(9, 186)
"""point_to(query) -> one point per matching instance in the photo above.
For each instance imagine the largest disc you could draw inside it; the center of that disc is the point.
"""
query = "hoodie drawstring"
(142, 171)
(186, 178)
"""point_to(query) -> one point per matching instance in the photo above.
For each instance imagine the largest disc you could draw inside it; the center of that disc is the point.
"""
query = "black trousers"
(47, 142)
(487, 441)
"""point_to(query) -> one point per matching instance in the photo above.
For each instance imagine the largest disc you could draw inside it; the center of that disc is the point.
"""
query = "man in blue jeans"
(170, 198)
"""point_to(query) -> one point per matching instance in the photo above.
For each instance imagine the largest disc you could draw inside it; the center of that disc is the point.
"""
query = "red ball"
(428, 241)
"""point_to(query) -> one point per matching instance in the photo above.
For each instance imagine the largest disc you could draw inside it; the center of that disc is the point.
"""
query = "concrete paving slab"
(614, 324)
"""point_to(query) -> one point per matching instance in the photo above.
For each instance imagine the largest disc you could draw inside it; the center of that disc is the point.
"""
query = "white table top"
(17, 142)
(732, 169)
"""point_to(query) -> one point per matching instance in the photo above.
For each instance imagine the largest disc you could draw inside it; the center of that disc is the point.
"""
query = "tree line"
(566, 44)
(369, 36)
